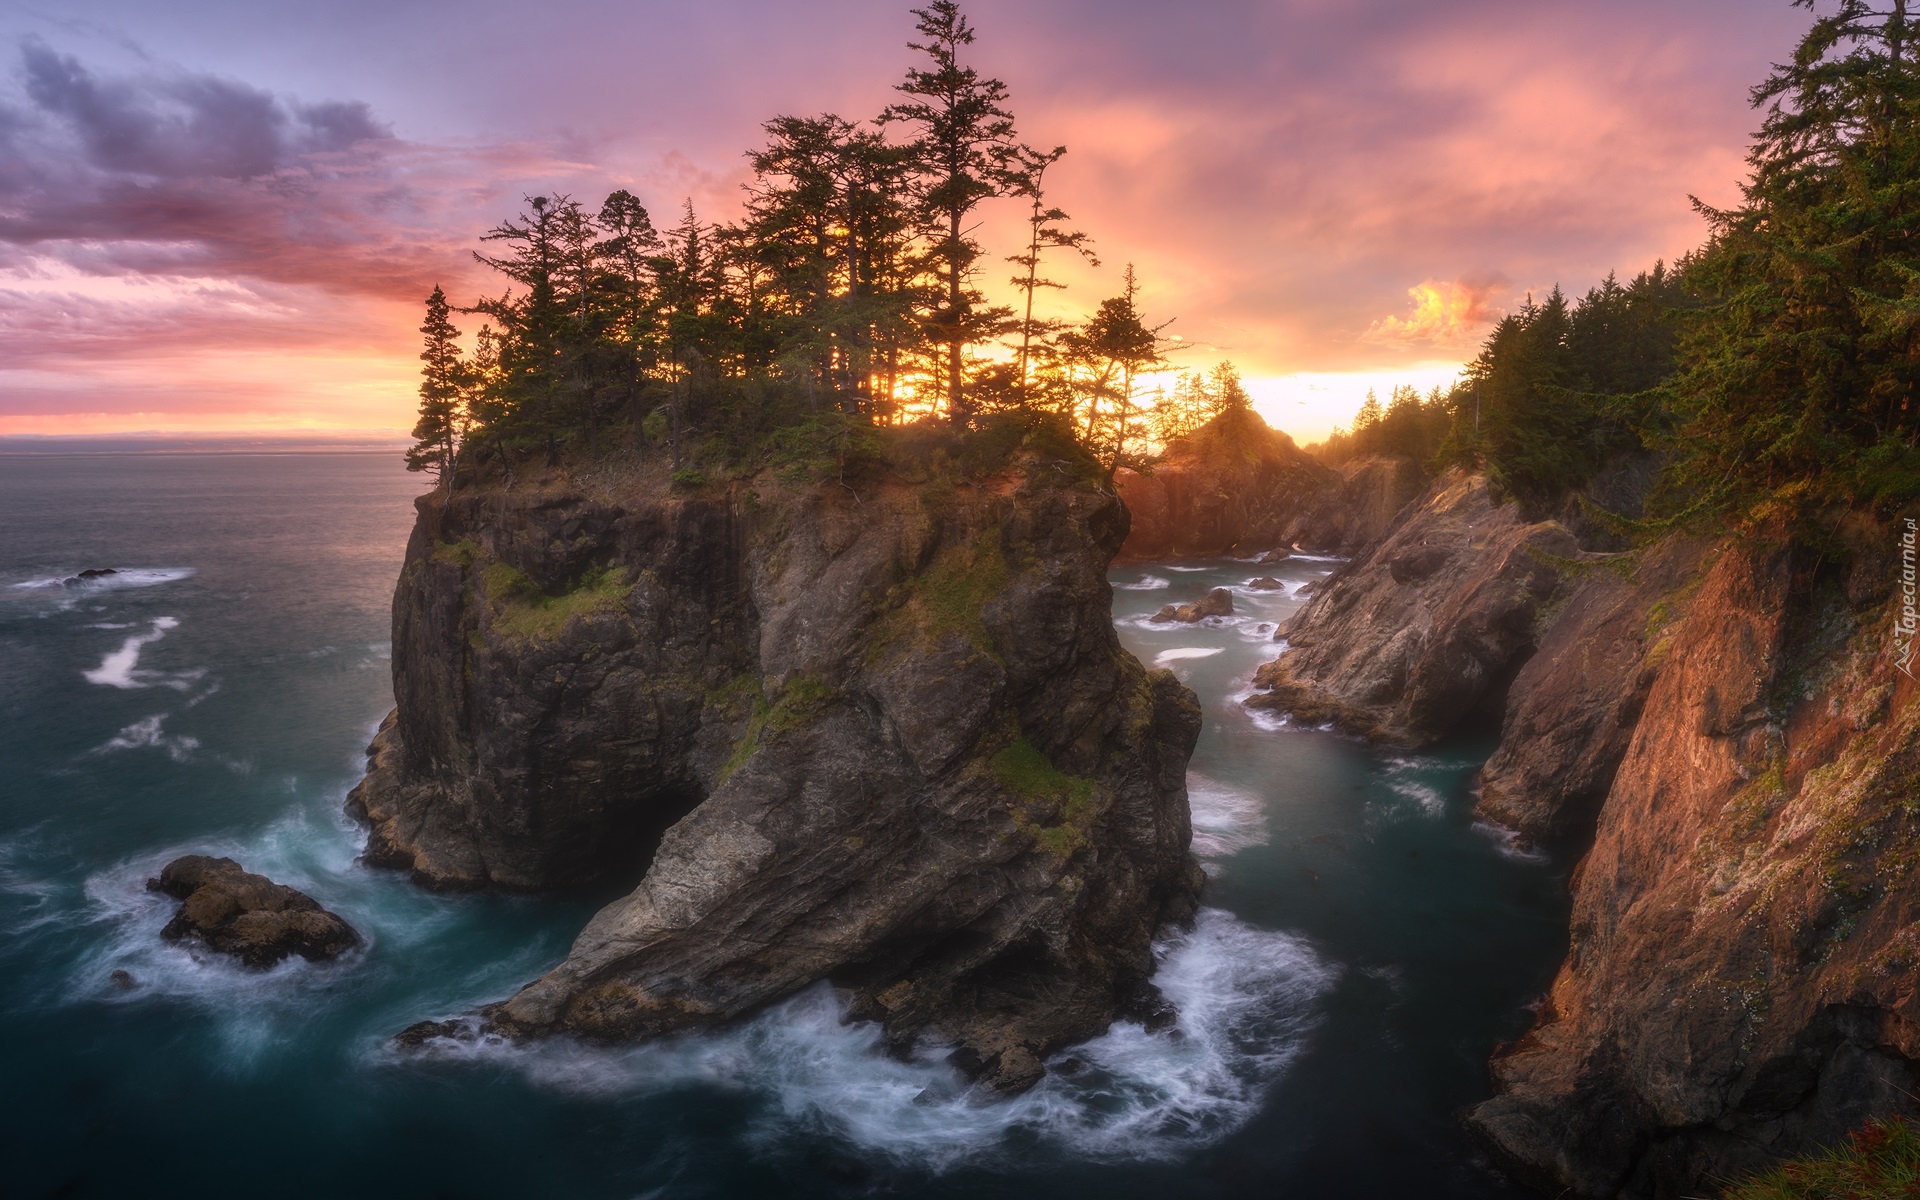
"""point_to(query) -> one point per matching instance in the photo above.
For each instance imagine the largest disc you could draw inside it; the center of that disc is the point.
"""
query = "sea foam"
(116, 669)
(1247, 1000)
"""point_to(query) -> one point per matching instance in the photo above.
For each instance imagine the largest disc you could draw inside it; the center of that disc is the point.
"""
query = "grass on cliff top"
(522, 610)
(1880, 1161)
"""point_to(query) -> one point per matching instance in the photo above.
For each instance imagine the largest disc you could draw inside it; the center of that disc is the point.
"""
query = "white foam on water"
(1184, 652)
(1147, 583)
(1508, 844)
(116, 669)
(122, 577)
(1247, 1000)
(1425, 796)
(1225, 820)
(1171, 567)
(146, 734)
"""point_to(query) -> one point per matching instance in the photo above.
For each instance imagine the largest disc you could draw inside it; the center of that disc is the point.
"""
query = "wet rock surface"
(228, 909)
(881, 734)
(1216, 603)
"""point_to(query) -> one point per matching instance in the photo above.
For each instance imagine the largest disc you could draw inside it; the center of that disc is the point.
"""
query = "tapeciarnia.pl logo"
(1909, 621)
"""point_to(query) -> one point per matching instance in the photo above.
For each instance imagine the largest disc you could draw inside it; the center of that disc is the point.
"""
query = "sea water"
(1364, 942)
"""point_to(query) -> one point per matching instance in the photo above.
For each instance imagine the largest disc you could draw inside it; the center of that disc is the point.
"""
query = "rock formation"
(1742, 980)
(1725, 725)
(248, 916)
(1238, 486)
(880, 732)
(1422, 631)
(1216, 603)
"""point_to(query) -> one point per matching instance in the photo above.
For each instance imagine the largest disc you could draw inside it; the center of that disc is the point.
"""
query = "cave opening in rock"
(621, 853)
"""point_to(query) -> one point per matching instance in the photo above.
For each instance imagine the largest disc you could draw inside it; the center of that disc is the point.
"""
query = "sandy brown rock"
(1423, 631)
(1742, 979)
(884, 735)
(260, 922)
(1572, 709)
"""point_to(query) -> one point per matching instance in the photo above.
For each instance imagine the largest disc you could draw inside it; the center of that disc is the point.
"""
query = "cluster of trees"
(846, 295)
(1774, 368)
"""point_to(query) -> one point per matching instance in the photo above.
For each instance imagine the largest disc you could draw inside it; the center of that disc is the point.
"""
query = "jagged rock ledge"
(878, 731)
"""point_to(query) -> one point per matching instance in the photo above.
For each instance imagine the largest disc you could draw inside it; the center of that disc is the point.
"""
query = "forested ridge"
(1772, 369)
(846, 298)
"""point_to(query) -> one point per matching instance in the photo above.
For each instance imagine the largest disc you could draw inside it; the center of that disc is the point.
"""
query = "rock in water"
(248, 916)
(1216, 603)
(1266, 583)
(881, 733)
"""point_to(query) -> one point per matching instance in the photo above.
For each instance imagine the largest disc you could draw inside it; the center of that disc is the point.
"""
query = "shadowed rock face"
(888, 739)
(1572, 709)
(1424, 629)
(248, 916)
(1237, 486)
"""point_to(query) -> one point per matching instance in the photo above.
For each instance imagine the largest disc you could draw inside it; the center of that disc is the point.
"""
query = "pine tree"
(1802, 364)
(965, 153)
(1044, 232)
(443, 380)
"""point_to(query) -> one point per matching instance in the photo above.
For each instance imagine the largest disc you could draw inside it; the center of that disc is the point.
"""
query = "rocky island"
(879, 732)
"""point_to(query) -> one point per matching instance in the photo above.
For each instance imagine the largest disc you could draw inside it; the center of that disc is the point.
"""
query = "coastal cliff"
(877, 731)
(1720, 730)
(1741, 983)
(1422, 631)
(1237, 485)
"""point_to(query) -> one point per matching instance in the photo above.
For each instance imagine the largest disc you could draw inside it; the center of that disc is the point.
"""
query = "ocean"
(1365, 942)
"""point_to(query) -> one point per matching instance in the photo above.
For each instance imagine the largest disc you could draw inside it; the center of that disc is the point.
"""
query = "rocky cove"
(1714, 733)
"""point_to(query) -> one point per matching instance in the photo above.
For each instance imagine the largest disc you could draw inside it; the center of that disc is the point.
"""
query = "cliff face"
(1741, 984)
(1424, 629)
(1236, 485)
(1725, 725)
(1573, 707)
(885, 737)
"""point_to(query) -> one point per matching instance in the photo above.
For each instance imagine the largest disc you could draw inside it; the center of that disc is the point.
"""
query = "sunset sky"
(224, 216)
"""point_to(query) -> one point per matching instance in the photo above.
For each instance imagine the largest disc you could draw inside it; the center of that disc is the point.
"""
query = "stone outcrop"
(230, 910)
(879, 732)
(1724, 729)
(1235, 485)
(1216, 603)
(1572, 709)
(1422, 632)
(1741, 984)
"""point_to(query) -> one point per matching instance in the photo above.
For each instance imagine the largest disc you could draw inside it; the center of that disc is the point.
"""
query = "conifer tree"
(965, 152)
(1801, 368)
(1044, 232)
(443, 419)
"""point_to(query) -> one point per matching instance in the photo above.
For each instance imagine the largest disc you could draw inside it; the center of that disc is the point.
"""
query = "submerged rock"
(88, 576)
(881, 733)
(123, 980)
(1216, 603)
(250, 917)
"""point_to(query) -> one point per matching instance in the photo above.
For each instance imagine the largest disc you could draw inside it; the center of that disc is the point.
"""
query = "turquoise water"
(1364, 945)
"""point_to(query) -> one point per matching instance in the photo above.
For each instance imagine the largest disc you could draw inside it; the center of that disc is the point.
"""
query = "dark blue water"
(1364, 947)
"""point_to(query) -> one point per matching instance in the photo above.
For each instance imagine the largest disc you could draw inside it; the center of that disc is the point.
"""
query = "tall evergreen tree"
(1801, 368)
(964, 145)
(1044, 232)
(443, 385)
